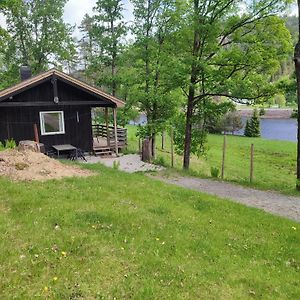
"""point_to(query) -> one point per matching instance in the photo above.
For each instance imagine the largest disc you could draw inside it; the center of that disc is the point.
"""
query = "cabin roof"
(15, 89)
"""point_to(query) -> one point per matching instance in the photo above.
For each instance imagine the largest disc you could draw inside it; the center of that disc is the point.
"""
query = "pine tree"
(252, 128)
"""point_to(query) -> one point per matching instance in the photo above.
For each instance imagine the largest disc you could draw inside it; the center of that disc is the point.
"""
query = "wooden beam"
(48, 103)
(116, 131)
(55, 89)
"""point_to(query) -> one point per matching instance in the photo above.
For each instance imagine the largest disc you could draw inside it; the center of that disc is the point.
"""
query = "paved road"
(272, 202)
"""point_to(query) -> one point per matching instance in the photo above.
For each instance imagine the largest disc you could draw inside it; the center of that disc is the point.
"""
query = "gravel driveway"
(272, 202)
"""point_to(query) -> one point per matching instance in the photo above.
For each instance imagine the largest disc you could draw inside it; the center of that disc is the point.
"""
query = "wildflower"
(157, 239)
(36, 255)
(46, 289)
(55, 278)
(293, 227)
(64, 254)
(94, 226)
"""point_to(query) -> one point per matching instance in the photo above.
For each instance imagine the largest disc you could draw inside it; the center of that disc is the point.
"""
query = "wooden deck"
(104, 139)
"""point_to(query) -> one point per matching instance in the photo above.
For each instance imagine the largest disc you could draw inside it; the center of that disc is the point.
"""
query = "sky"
(76, 9)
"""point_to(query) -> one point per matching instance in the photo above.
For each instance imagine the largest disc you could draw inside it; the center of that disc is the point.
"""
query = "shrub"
(280, 100)
(262, 112)
(10, 144)
(214, 171)
(294, 113)
(231, 122)
(160, 161)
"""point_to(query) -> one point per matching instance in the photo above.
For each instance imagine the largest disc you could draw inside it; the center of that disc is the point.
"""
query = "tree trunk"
(188, 131)
(297, 68)
(153, 144)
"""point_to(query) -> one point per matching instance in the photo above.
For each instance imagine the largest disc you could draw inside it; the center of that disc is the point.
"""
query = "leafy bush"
(231, 122)
(294, 113)
(262, 112)
(280, 100)
(160, 161)
(214, 171)
(10, 144)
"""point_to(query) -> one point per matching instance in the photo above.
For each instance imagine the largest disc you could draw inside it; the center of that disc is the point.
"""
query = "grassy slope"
(274, 161)
(128, 236)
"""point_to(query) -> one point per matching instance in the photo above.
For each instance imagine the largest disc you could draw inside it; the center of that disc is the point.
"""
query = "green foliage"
(116, 164)
(36, 36)
(252, 128)
(294, 113)
(160, 161)
(215, 172)
(279, 99)
(8, 144)
(262, 111)
(231, 122)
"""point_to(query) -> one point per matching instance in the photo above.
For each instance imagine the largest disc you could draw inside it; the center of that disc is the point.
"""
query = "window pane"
(52, 122)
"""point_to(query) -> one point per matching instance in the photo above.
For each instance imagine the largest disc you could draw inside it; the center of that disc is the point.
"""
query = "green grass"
(123, 236)
(274, 161)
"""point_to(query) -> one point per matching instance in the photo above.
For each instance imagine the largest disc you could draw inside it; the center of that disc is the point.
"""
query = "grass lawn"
(122, 236)
(274, 161)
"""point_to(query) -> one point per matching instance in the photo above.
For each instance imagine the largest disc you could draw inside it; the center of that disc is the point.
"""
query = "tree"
(297, 68)
(38, 36)
(228, 54)
(108, 31)
(231, 122)
(252, 128)
(153, 27)
(280, 100)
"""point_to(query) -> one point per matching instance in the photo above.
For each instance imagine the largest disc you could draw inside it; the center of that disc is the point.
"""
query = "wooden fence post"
(172, 147)
(251, 162)
(223, 157)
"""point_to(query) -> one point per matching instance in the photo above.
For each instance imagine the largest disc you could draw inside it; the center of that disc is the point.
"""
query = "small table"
(66, 147)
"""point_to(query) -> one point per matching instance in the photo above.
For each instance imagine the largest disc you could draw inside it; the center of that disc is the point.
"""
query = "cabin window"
(52, 122)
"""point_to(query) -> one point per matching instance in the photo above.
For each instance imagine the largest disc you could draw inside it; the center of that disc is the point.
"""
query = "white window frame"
(42, 122)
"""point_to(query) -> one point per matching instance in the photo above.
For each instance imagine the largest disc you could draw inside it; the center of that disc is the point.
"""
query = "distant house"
(55, 103)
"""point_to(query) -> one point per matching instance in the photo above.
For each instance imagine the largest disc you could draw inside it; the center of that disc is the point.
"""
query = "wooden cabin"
(60, 107)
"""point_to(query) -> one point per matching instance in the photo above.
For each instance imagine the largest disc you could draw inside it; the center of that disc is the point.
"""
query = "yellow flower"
(94, 226)
(294, 228)
(63, 253)
(157, 239)
(46, 289)
(55, 278)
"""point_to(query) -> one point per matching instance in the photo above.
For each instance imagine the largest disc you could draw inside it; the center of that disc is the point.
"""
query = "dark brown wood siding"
(17, 123)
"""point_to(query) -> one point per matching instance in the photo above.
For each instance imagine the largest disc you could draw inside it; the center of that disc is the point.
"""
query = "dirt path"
(272, 202)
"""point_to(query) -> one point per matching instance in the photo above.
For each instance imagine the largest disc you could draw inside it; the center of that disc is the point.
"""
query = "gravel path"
(272, 202)
(129, 163)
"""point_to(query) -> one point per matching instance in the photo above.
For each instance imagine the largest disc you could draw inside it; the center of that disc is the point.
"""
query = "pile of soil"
(29, 165)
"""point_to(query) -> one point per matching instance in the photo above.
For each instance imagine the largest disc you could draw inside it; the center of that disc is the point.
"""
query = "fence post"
(251, 162)
(223, 157)
(172, 147)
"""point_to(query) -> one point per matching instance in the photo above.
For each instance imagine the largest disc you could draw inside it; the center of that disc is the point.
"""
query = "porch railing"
(100, 130)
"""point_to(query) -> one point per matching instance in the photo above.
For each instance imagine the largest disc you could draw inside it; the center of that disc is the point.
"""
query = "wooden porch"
(104, 141)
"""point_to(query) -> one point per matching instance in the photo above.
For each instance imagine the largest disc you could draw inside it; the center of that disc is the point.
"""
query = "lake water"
(272, 129)
(277, 129)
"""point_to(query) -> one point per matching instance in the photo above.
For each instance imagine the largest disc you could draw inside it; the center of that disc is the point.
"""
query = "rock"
(29, 145)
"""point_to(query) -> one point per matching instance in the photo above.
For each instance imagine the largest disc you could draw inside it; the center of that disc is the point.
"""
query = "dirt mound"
(28, 165)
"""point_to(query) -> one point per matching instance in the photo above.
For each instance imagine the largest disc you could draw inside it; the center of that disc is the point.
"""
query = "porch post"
(116, 131)
(107, 129)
